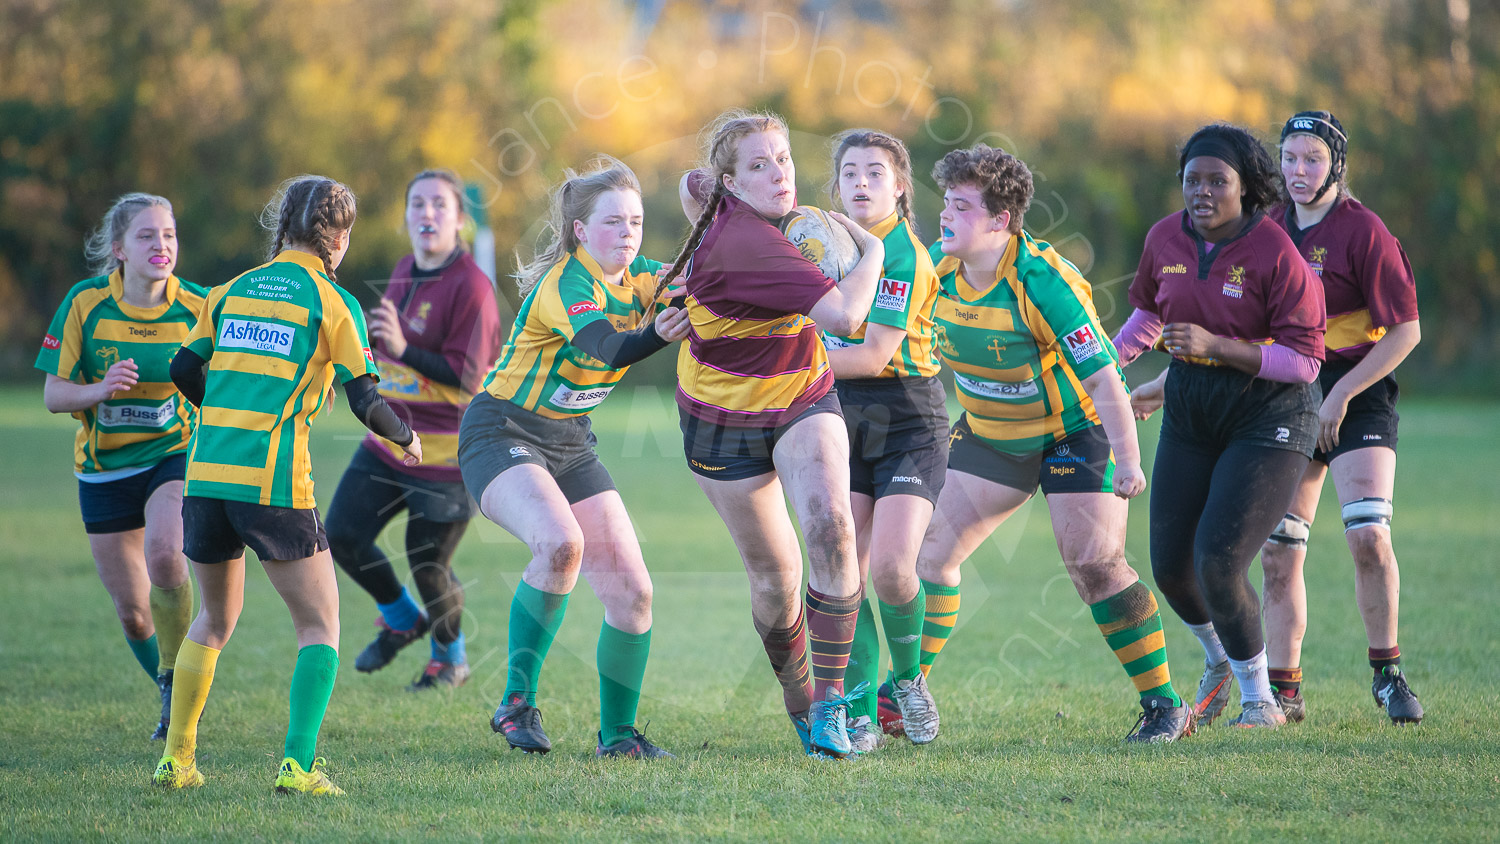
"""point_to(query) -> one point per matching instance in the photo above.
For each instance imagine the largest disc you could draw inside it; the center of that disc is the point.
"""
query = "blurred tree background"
(213, 102)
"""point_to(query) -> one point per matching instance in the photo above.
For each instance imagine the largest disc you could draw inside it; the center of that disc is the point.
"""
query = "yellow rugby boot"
(172, 773)
(292, 778)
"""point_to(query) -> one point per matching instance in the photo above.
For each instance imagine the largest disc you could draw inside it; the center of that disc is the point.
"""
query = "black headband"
(1215, 147)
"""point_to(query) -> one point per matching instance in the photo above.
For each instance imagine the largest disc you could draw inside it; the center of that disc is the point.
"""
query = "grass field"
(1034, 705)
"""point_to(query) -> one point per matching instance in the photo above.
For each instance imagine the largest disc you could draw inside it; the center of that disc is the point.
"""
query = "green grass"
(1034, 704)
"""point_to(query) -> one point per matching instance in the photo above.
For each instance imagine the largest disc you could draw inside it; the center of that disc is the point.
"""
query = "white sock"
(1212, 648)
(1253, 676)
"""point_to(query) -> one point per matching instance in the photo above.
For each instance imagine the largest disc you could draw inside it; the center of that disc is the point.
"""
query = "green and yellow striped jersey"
(1021, 345)
(274, 338)
(539, 368)
(904, 299)
(95, 328)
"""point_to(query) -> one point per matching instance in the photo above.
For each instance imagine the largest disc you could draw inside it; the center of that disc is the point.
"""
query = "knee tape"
(1292, 532)
(1367, 512)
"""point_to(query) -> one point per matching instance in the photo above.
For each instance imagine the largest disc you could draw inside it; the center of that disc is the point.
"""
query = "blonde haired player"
(106, 356)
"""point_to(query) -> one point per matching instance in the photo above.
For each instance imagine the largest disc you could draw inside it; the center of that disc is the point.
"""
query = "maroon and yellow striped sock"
(1286, 680)
(830, 628)
(787, 648)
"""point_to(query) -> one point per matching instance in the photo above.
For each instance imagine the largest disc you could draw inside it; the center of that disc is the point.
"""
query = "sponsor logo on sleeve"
(893, 294)
(257, 335)
(50, 342)
(136, 415)
(369, 358)
(1082, 344)
(581, 308)
(832, 342)
(568, 398)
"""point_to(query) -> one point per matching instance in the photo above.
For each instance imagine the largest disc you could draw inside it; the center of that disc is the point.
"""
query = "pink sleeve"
(1280, 363)
(1137, 335)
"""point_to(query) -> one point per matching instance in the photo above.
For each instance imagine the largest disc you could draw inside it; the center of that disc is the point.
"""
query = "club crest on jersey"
(1317, 258)
(1234, 284)
(581, 308)
(893, 295)
(110, 356)
(1082, 344)
(419, 322)
(258, 335)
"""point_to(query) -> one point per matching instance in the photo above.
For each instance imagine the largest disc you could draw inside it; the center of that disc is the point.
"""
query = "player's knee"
(1289, 537)
(346, 541)
(1095, 577)
(136, 622)
(1370, 545)
(828, 530)
(562, 553)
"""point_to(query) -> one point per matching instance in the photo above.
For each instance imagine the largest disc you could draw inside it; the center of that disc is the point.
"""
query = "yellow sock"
(172, 613)
(190, 682)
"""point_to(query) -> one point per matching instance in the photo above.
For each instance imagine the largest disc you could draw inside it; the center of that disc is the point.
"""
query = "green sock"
(903, 634)
(1131, 624)
(535, 617)
(622, 665)
(939, 616)
(145, 653)
(172, 613)
(312, 686)
(864, 662)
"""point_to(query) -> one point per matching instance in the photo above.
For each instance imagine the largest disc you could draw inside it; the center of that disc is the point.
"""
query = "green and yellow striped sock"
(1131, 624)
(938, 621)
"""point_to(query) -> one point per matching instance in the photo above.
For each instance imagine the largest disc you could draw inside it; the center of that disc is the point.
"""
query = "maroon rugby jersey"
(1367, 280)
(453, 314)
(1252, 287)
(753, 359)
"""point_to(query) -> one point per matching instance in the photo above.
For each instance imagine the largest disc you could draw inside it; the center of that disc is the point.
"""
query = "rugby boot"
(1259, 713)
(379, 653)
(919, 714)
(172, 773)
(1161, 722)
(636, 746)
(1395, 697)
(828, 723)
(804, 730)
(887, 711)
(164, 685)
(1292, 705)
(440, 675)
(1213, 692)
(521, 724)
(864, 737)
(291, 778)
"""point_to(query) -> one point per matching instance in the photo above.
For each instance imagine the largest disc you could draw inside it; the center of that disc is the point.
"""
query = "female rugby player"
(259, 364)
(527, 450)
(1223, 288)
(106, 355)
(758, 412)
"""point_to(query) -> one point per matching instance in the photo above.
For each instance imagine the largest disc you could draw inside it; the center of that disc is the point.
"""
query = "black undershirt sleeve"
(432, 365)
(599, 339)
(364, 400)
(188, 374)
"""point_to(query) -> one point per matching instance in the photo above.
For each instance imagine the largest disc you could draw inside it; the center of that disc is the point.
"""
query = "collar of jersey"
(117, 290)
(886, 226)
(583, 257)
(306, 260)
(1007, 261)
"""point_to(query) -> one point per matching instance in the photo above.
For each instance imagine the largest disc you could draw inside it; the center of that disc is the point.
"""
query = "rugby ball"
(822, 240)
